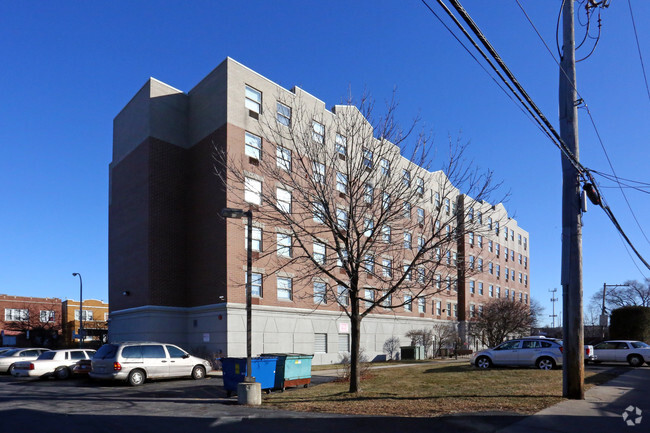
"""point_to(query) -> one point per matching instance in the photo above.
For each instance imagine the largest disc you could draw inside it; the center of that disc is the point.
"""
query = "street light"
(81, 308)
(239, 213)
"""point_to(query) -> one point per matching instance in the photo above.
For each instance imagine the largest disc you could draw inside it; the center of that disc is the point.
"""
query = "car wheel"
(635, 361)
(12, 369)
(483, 362)
(198, 372)
(62, 373)
(545, 364)
(136, 378)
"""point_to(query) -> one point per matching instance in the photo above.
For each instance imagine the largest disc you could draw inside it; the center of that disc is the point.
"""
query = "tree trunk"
(355, 349)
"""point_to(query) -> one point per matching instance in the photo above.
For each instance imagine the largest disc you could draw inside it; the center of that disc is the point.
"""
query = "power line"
(638, 47)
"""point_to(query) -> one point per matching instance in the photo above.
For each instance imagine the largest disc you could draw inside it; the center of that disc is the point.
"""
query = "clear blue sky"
(69, 67)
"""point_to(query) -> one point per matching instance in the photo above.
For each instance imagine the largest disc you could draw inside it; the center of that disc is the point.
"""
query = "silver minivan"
(135, 362)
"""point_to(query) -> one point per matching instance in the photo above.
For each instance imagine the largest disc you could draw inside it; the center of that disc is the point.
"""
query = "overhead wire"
(638, 47)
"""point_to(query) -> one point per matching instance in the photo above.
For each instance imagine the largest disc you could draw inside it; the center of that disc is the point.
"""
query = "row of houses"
(51, 322)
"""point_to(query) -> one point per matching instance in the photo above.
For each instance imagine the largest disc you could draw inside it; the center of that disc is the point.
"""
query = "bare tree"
(633, 293)
(444, 334)
(391, 347)
(421, 337)
(374, 230)
(501, 318)
(41, 322)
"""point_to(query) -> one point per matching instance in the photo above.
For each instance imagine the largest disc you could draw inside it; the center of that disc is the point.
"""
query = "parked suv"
(135, 362)
(542, 353)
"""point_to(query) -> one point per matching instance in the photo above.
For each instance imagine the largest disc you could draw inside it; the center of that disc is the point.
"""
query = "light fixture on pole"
(255, 395)
(81, 308)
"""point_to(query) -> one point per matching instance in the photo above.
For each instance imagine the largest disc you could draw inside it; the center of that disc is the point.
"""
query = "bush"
(344, 370)
(630, 323)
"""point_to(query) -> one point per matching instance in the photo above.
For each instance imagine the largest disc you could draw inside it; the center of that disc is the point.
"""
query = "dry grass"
(434, 390)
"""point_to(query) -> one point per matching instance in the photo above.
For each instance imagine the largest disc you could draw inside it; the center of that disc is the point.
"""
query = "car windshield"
(639, 344)
(47, 355)
(106, 351)
(10, 352)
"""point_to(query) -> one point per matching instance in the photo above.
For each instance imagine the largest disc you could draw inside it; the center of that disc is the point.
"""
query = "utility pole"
(553, 301)
(573, 371)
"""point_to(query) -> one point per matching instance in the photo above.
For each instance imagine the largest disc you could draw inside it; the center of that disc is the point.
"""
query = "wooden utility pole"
(573, 372)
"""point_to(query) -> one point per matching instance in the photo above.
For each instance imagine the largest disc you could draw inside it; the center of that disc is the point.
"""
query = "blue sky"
(69, 67)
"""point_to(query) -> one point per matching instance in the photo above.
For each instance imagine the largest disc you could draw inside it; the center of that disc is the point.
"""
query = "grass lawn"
(435, 389)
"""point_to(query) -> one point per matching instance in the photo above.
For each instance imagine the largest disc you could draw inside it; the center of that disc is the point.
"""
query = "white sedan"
(57, 363)
(633, 352)
(9, 358)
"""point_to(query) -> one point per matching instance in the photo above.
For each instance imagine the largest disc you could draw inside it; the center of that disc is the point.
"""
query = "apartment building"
(95, 322)
(176, 268)
(29, 321)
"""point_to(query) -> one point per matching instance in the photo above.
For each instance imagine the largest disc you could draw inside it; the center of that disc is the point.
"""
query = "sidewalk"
(600, 411)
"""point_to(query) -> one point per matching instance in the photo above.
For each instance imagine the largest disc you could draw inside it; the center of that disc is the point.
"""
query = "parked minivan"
(135, 362)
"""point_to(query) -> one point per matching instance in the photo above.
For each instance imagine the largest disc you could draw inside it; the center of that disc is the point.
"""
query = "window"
(256, 241)
(342, 219)
(344, 342)
(420, 213)
(454, 258)
(256, 284)
(342, 295)
(419, 186)
(421, 274)
(408, 306)
(480, 264)
(505, 232)
(496, 228)
(471, 238)
(490, 246)
(437, 254)
(498, 249)
(319, 212)
(472, 310)
(319, 252)
(507, 293)
(525, 298)
(479, 217)
(472, 286)
(283, 158)
(388, 300)
(498, 292)
(480, 288)
(87, 315)
(284, 200)
(519, 258)
(320, 293)
(480, 310)
(525, 280)
(521, 297)
(284, 245)
(421, 305)
(341, 145)
(489, 223)
(448, 283)
(369, 296)
(175, 352)
(320, 343)
(406, 210)
(448, 309)
(507, 273)
(498, 271)
(525, 243)
(407, 273)
(512, 255)
(407, 241)
(470, 214)
(367, 158)
(406, 178)
(491, 268)
(342, 257)
(318, 170)
(387, 268)
(447, 231)
(448, 257)
(253, 147)
(512, 235)
(385, 234)
(283, 115)
(47, 316)
(318, 132)
(385, 200)
(438, 308)
(253, 100)
(512, 274)
(420, 242)
(368, 226)
(447, 204)
(438, 281)
(368, 194)
(525, 262)
(284, 288)
(341, 183)
(369, 263)
(471, 262)
(506, 253)
(491, 291)
(384, 166)
(519, 239)
(252, 191)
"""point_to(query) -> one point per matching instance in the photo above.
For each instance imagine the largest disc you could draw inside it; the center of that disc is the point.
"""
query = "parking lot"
(78, 405)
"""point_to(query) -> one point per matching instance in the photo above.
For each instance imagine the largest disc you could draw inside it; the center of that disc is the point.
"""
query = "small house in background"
(95, 322)
(30, 321)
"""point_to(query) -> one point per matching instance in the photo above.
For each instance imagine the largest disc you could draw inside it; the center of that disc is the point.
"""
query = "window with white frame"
(318, 170)
(319, 212)
(386, 234)
(285, 288)
(406, 178)
(283, 158)
(507, 273)
(447, 206)
(507, 292)
(369, 263)
(341, 144)
(480, 264)
(420, 213)
(525, 243)
(471, 238)
(498, 271)
(448, 283)
(318, 132)
(341, 182)
(256, 284)
(437, 254)
(47, 316)
(422, 305)
(496, 228)
(519, 258)
(320, 343)
(368, 226)
(252, 191)
(438, 280)
(490, 246)
(342, 295)
(284, 245)
(368, 193)
(253, 100)
(87, 315)
(512, 255)
(491, 268)
(342, 219)
(489, 223)
(525, 262)
(283, 114)
(519, 239)
(384, 167)
(387, 268)
(505, 232)
(253, 145)
(448, 309)
(256, 240)
(407, 241)
(367, 158)
(512, 274)
(438, 308)
(454, 258)
(448, 257)
(408, 303)
(498, 292)
(436, 198)
(480, 310)
(521, 279)
(385, 200)
(406, 210)
(421, 274)
(419, 186)
(506, 253)
(525, 298)
(388, 300)
(491, 291)
(407, 272)
(471, 262)
(512, 235)
(320, 292)
(420, 242)
(472, 286)
(341, 256)
(480, 288)
(479, 217)
(497, 249)
(283, 200)
(369, 296)
(319, 252)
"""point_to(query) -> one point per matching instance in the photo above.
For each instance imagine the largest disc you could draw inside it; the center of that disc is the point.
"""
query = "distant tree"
(421, 337)
(502, 318)
(444, 334)
(346, 190)
(633, 294)
(41, 322)
(391, 347)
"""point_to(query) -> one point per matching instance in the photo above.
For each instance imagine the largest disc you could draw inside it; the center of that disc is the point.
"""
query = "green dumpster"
(293, 369)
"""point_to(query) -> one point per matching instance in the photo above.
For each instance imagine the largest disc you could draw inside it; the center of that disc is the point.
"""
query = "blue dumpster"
(262, 369)
(293, 369)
